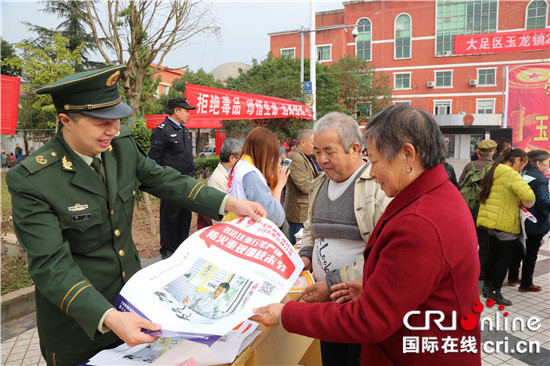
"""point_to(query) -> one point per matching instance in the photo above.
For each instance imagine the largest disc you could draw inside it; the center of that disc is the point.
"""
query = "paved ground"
(520, 338)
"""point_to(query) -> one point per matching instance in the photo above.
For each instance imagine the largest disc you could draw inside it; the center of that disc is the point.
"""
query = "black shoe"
(499, 299)
(485, 291)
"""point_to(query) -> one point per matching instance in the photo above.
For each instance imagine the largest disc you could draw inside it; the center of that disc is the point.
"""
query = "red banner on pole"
(10, 104)
(223, 104)
(529, 106)
(524, 40)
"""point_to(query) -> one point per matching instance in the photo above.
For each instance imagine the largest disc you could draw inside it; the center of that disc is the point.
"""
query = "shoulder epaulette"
(123, 132)
(38, 161)
(162, 125)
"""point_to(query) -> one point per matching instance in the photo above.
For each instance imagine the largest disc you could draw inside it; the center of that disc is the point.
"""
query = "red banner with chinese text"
(223, 104)
(524, 40)
(529, 106)
(10, 104)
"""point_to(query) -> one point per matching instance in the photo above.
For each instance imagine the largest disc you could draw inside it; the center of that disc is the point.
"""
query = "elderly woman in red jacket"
(418, 302)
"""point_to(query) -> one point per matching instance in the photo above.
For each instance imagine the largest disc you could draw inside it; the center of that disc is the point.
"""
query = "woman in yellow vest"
(258, 174)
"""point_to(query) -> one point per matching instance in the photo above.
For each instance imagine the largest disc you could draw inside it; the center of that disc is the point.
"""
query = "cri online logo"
(468, 321)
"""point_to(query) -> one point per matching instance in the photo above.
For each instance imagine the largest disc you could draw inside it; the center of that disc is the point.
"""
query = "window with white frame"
(536, 14)
(403, 36)
(324, 53)
(443, 78)
(402, 80)
(487, 76)
(485, 106)
(287, 52)
(462, 17)
(363, 40)
(442, 107)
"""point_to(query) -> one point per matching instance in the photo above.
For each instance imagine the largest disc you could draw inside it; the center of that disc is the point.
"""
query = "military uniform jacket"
(171, 145)
(77, 231)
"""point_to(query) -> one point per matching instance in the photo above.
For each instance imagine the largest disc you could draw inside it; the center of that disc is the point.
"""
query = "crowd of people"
(9, 160)
(377, 231)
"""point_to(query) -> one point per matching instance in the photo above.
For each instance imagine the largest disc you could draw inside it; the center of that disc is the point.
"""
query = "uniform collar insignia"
(78, 207)
(67, 165)
(41, 160)
(110, 147)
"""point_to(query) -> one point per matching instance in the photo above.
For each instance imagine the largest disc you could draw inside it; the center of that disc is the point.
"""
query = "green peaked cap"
(93, 93)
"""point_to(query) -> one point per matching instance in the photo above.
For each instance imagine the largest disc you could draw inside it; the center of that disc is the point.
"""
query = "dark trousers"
(500, 258)
(532, 246)
(340, 354)
(293, 228)
(175, 223)
(483, 243)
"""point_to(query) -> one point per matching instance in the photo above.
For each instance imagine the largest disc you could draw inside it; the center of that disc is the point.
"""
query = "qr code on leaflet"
(267, 288)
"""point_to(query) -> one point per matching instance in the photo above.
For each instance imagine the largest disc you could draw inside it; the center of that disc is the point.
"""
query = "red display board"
(10, 104)
(529, 106)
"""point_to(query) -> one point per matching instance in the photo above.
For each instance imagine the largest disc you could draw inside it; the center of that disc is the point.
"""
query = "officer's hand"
(128, 327)
(318, 292)
(245, 208)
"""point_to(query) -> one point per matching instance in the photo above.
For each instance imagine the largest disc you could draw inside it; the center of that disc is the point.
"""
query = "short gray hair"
(398, 124)
(230, 147)
(346, 127)
(305, 134)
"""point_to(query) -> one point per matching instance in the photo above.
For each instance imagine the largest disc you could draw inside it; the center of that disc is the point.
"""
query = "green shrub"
(205, 166)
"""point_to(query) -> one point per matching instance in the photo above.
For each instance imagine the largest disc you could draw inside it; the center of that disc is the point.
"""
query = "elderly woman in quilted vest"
(503, 191)
(420, 258)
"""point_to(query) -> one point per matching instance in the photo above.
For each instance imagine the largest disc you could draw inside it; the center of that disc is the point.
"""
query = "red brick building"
(412, 42)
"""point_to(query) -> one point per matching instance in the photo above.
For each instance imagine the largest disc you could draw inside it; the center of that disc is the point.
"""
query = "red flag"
(10, 104)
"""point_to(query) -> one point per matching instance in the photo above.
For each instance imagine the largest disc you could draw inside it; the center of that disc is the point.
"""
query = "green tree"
(280, 77)
(41, 66)
(141, 32)
(361, 86)
(72, 27)
(7, 52)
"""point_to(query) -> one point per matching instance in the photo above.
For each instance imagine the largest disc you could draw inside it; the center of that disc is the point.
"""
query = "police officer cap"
(93, 93)
(487, 145)
(179, 102)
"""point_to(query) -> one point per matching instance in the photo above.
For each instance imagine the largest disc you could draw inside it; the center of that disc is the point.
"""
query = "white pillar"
(313, 61)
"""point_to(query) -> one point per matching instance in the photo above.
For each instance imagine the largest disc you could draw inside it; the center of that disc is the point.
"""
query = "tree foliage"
(41, 66)
(141, 32)
(7, 52)
(72, 27)
(359, 83)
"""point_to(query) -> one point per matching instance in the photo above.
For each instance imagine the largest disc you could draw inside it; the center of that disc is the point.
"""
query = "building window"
(487, 76)
(405, 102)
(444, 78)
(402, 81)
(403, 36)
(536, 14)
(485, 106)
(442, 107)
(287, 52)
(362, 110)
(462, 17)
(363, 39)
(323, 53)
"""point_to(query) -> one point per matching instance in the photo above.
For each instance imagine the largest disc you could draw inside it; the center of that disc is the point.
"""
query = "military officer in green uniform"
(73, 202)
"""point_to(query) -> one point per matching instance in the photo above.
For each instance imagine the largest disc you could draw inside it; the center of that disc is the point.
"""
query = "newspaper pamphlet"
(172, 351)
(214, 280)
